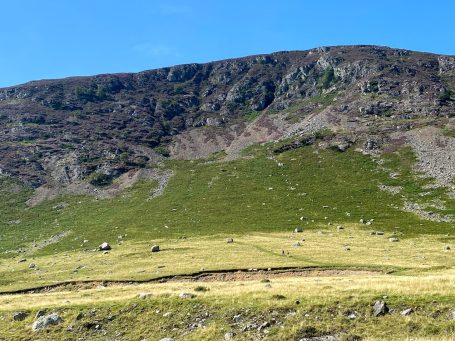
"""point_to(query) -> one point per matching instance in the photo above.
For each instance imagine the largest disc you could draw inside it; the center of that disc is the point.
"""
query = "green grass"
(252, 115)
(450, 132)
(258, 201)
(242, 196)
(211, 314)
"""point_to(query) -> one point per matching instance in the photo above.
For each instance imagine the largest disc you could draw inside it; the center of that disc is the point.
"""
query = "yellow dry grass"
(316, 289)
(135, 261)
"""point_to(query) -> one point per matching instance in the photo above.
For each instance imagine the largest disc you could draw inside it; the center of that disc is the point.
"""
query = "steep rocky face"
(59, 132)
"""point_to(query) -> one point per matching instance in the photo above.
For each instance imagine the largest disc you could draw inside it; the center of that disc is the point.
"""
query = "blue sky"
(59, 38)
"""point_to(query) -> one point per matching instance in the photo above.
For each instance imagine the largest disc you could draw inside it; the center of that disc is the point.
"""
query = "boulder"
(20, 316)
(298, 230)
(45, 321)
(380, 308)
(104, 247)
(155, 248)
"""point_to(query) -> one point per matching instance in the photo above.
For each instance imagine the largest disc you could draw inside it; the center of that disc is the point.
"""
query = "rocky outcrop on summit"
(94, 129)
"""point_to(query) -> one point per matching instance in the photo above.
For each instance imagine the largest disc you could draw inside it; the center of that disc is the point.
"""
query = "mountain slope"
(290, 195)
(60, 132)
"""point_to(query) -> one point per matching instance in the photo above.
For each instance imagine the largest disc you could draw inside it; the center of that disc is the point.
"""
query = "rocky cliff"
(95, 129)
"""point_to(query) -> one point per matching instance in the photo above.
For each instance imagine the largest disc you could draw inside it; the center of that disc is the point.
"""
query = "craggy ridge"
(94, 129)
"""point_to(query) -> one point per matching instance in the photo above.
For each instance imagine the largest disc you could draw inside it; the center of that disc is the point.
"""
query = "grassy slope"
(259, 203)
(324, 304)
(242, 196)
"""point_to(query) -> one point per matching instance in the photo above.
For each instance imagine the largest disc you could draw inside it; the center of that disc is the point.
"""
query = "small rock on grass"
(298, 230)
(187, 295)
(393, 239)
(229, 240)
(380, 308)
(20, 316)
(155, 248)
(144, 295)
(229, 335)
(407, 312)
(352, 316)
(167, 339)
(46, 321)
(104, 247)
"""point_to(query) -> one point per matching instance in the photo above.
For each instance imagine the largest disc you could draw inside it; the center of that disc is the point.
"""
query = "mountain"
(88, 131)
(292, 196)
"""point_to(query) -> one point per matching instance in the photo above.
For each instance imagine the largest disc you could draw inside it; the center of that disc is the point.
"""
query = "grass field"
(258, 201)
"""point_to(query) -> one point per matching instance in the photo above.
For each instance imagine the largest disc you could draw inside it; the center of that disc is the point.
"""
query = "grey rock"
(352, 316)
(229, 335)
(60, 206)
(393, 240)
(380, 308)
(155, 248)
(144, 295)
(187, 295)
(104, 247)
(321, 338)
(45, 321)
(20, 316)
(297, 244)
(237, 318)
(167, 339)
(229, 240)
(264, 326)
(407, 312)
(298, 230)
